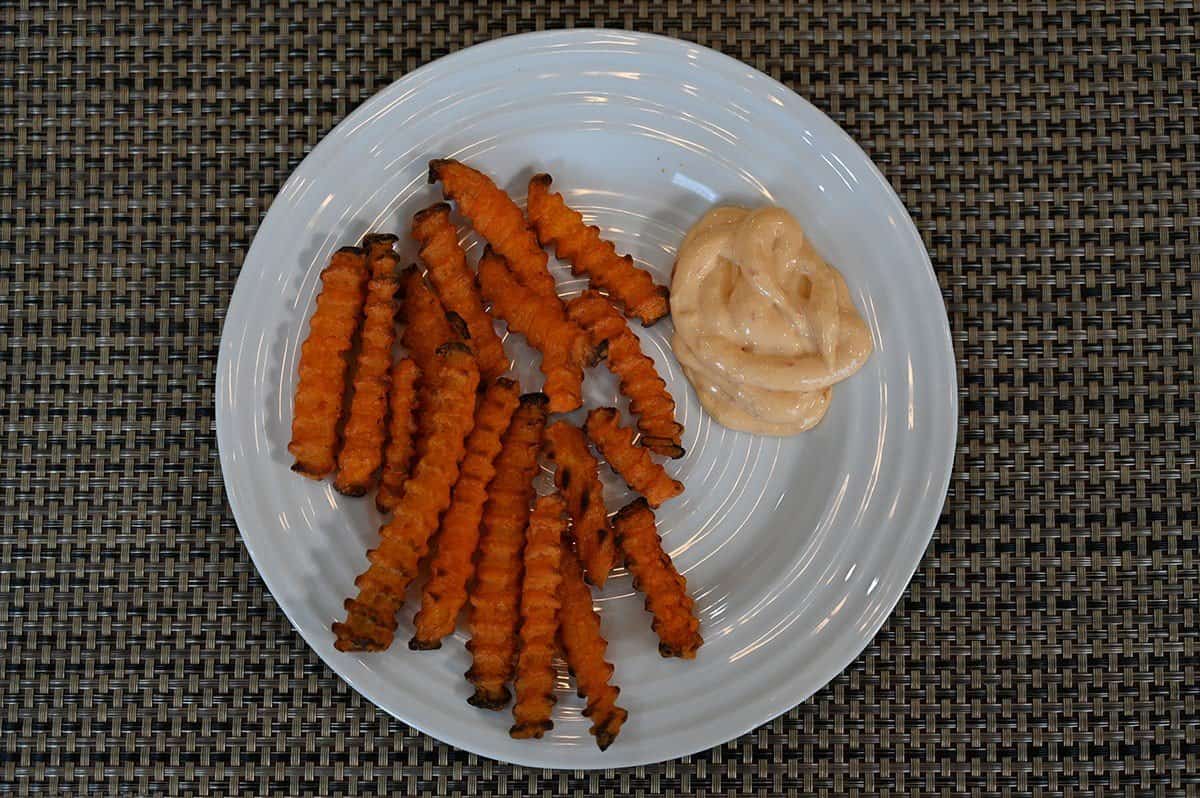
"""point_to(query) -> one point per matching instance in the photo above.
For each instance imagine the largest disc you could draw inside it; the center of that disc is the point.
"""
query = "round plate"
(795, 549)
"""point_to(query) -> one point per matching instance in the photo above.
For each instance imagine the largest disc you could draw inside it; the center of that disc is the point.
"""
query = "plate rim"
(943, 348)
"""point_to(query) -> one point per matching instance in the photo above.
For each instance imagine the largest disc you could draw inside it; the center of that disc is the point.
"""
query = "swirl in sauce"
(763, 325)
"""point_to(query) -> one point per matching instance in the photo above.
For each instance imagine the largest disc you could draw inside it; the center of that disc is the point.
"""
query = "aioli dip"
(763, 325)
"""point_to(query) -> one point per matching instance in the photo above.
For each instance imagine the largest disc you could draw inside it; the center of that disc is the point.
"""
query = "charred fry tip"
(506, 382)
(524, 731)
(536, 398)
(371, 239)
(433, 210)
(601, 413)
(459, 325)
(417, 644)
(436, 164)
(606, 737)
(665, 293)
(453, 346)
(486, 700)
(351, 250)
(636, 506)
(351, 490)
(599, 353)
(304, 471)
(541, 178)
(664, 446)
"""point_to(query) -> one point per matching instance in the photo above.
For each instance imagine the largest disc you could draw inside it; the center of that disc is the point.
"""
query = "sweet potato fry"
(364, 433)
(591, 256)
(655, 575)
(649, 400)
(579, 626)
(371, 617)
(498, 219)
(540, 602)
(455, 285)
(575, 475)
(322, 388)
(427, 325)
(452, 564)
(545, 326)
(495, 594)
(628, 459)
(402, 426)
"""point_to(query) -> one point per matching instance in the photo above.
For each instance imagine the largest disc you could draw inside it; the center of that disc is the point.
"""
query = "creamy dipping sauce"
(764, 327)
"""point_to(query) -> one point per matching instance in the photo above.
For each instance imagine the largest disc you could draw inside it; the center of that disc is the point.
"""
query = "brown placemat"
(1048, 153)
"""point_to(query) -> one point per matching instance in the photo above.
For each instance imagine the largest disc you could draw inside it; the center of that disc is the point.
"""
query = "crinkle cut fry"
(365, 431)
(654, 574)
(495, 593)
(580, 245)
(497, 218)
(371, 617)
(585, 646)
(544, 325)
(455, 284)
(452, 564)
(649, 400)
(631, 461)
(402, 427)
(540, 602)
(321, 391)
(427, 325)
(576, 475)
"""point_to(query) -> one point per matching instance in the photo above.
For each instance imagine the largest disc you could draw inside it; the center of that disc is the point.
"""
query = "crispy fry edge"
(649, 400)
(495, 594)
(455, 285)
(667, 599)
(540, 603)
(402, 428)
(585, 649)
(590, 255)
(371, 617)
(321, 389)
(576, 473)
(543, 323)
(632, 462)
(452, 565)
(498, 219)
(365, 431)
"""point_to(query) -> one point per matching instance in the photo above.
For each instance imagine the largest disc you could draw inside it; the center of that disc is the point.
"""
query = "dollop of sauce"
(764, 327)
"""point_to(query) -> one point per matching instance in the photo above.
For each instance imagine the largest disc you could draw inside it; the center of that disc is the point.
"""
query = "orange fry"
(371, 617)
(534, 681)
(498, 219)
(649, 399)
(497, 588)
(575, 474)
(545, 326)
(452, 565)
(322, 388)
(455, 284)
(427, 325)
(591, 256)
(363, 436)
(402, 424)
(654, 574)
(585, 646)
(628, 459)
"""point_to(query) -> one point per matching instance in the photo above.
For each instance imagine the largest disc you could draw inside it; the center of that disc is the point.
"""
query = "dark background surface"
(1048, 154)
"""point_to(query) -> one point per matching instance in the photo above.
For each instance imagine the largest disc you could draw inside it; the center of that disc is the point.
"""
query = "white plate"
(796, 550)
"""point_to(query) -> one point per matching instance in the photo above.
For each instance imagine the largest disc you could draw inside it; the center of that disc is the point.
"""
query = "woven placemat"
(1048, 153)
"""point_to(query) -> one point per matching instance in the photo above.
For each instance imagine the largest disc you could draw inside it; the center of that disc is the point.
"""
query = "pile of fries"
(451, 446)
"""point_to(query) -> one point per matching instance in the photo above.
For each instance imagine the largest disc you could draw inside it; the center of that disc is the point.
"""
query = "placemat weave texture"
(1048, 153)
